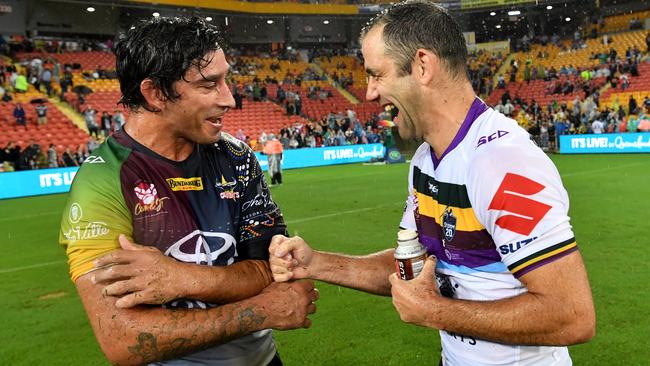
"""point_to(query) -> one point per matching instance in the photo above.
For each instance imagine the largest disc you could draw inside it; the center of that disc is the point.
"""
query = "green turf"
(353, 209)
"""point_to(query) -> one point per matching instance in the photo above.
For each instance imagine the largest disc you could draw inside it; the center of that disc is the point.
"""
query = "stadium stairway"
(503, 70)
(75, 117)
(349, 96)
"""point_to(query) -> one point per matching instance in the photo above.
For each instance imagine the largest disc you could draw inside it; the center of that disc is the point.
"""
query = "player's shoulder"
(422, 153)
(103, 162)
(496, 137)
(232, 145)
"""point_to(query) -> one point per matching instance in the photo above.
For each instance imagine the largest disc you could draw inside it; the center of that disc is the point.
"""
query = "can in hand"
(409, 254)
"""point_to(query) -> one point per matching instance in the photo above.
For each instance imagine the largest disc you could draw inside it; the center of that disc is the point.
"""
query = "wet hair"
(413, 24)
(162, 50)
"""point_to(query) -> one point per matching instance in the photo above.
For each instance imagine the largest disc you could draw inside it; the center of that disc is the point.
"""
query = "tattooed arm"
(145, 334)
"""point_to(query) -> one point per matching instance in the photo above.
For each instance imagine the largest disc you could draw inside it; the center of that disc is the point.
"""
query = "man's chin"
(207, 139)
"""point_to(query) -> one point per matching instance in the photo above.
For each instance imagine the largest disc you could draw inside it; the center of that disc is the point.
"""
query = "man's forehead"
(214, 63)
(372, 46)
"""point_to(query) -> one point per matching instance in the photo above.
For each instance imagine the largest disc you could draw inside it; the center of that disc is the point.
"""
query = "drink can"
(409, 254)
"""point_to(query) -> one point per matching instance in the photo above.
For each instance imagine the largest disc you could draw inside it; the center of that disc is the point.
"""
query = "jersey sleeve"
(94, 216)
(261, 217)
(518, 196)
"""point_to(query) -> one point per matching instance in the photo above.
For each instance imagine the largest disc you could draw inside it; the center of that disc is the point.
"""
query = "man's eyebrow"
(213, 77)
(371, 72)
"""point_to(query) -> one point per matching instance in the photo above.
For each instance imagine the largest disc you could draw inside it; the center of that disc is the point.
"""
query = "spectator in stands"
(118, 120)
(28, 157)
(262, 139)
(297, 102)
(91, 122)
(499, 107)
(240, 135)
(46, 80)
(41, 113)
(238, 98)
(280, 95)
(9, 156)
(67, 159)
(106, 123)
(66, 82)
(501, 82)
(597, 127)
(21, 84)
(632, 105)
(52, 158)
(625, 82)
(263, 92)
(92, 144)
(274, 151)
(81, 154)
(19, 115)
(508, 108)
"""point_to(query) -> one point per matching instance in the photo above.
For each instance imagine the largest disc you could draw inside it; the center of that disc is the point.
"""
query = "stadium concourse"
(595, 73)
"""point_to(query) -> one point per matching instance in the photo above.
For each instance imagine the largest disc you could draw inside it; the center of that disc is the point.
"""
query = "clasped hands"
(414, 300)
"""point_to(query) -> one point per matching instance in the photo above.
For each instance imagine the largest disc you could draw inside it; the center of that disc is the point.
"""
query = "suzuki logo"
(525, 212)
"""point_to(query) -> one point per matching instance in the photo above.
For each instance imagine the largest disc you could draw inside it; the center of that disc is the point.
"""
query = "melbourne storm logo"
(449, 224)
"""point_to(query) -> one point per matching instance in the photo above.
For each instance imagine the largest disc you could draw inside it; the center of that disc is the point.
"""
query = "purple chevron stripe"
(475, 110)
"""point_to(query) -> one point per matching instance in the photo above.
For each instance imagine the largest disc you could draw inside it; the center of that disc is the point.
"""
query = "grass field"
(353, 209)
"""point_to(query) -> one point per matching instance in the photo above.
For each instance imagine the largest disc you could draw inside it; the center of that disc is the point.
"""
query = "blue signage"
(48, 181)
(605, 143)
(36, 182)
(302, 158)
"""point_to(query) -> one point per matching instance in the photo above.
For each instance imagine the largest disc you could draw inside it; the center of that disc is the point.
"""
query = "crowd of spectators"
(582, 116)
(547, 122)
(15, 158)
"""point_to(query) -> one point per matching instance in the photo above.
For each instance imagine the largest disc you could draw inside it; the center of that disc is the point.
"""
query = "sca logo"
(485, 139)
(227, 189)
(148, 198)
(185, 184)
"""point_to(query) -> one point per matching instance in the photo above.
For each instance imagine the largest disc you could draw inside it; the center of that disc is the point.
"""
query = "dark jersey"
(212, 209)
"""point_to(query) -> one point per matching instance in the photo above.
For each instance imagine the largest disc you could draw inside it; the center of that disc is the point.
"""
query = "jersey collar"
(477, 108)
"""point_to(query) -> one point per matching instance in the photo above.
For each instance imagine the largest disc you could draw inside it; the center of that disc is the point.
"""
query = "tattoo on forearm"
(248, 320)
(150, 347)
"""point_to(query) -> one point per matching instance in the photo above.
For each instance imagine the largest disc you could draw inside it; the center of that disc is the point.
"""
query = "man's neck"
(150, 131)
(445, 115)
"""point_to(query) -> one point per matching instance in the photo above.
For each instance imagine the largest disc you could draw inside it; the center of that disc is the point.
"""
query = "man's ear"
(426, 66)
(152, 95)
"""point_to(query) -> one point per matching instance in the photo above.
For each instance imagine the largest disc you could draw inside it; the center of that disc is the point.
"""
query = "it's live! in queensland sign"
(48, 181)
(605, 143)
(302, 158)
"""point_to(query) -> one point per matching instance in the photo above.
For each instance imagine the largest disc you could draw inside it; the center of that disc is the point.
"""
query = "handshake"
(292, 259)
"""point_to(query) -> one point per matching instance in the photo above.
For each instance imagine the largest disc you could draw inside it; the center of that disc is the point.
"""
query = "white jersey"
(491, 209)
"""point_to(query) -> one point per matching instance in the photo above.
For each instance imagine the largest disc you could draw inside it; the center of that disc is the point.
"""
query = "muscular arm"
(143, 275)
(293, 258)
(145, 334)
(367, 273)
(222, 285)
(557, 309)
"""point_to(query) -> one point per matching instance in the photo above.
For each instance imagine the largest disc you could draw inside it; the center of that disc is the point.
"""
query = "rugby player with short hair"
(197, 289)
(510, 286)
